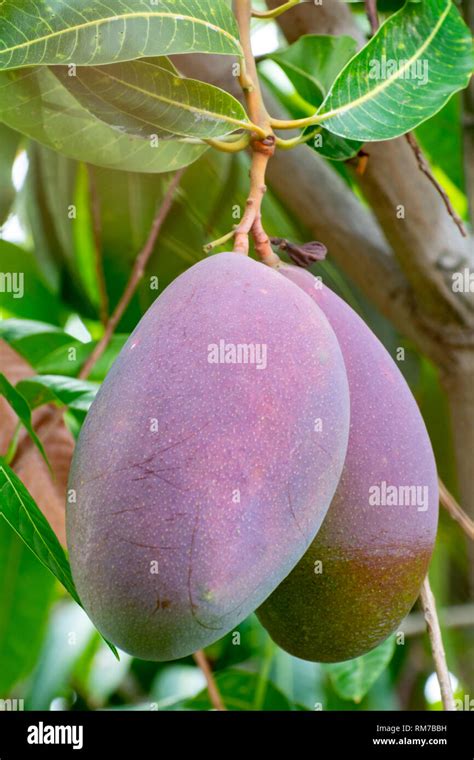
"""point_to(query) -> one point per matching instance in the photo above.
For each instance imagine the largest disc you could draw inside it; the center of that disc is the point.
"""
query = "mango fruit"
(208, 459)
(363, 571)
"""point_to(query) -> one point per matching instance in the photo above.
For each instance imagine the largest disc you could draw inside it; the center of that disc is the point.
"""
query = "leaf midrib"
(387, 82)
(168, 101)
(126, 16)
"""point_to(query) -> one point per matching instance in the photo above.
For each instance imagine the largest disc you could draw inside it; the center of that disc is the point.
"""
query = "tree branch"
(452, 507)
(439, 656)
(135, 276)
(212, 688)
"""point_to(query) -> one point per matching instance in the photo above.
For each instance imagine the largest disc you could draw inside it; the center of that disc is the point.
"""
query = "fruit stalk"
(262, 148)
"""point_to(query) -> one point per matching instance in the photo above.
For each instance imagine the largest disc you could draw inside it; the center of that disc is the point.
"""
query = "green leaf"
(9, 140)
(237, 689)
(51, 351)
(20, 511)
(69, 358)
(32, 339)
(86, 34)
(352, 679)
(312, 64)
(146, 100)
(57, 389)
(28, 296)
(36, 103)
(419, 57)
(26, 591)
(22, 410)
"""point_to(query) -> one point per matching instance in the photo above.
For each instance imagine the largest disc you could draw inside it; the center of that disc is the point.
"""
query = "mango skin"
(178, 534)
(374, 558)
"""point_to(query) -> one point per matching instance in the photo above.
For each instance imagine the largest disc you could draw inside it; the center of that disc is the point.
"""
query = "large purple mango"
(208, 459)
(363, 571)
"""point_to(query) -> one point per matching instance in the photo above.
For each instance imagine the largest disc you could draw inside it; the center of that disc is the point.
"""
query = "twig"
(272, 14)
(263, 148)
(97, 235)
(425, 168)
(372, 15)
(457, 513)
(439, 656)
(214, 694)
(135, 276)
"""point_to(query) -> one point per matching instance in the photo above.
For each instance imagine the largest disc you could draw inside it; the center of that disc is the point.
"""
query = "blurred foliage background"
(50, 654)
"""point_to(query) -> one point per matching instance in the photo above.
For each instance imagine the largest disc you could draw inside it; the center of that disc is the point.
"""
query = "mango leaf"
(22, 410)
(419, 57)
(86, 34)
(352, 679)
(312, 64)
(237, 689)
(51, 351)
(29, 297)
(145, 100)
(36, 103)
(69, 358)
(32, 339)
(9, 140)
(22, 514)
(57, 389)
(26, 591)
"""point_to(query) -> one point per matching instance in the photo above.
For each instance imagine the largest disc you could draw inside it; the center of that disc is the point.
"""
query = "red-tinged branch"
(432, 623)
(424, 166)
(263, 148)
(212, 688)
(135, 276)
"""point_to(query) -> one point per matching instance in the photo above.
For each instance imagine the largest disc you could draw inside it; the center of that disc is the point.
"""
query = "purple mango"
(363, 571)
(208, 460)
